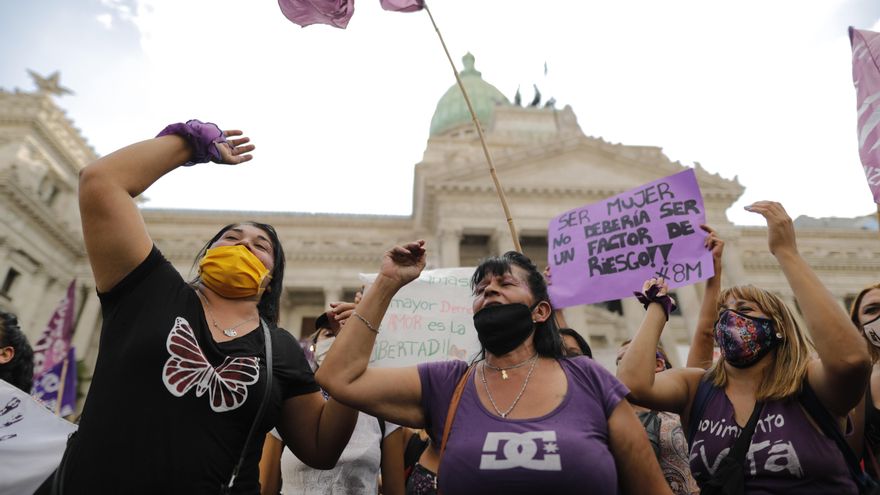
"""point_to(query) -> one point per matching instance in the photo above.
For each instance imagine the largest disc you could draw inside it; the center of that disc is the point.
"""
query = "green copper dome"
(452, 110)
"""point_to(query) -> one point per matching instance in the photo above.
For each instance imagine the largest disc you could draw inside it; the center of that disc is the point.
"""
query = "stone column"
(450, 242)
(633, 315)
(332, 293)
(502, 240)
(689, 302)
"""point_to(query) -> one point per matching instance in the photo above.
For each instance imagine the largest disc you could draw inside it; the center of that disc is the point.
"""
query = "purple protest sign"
(606, 250)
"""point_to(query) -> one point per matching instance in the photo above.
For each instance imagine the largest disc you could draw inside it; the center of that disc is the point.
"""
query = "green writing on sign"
(409, 348)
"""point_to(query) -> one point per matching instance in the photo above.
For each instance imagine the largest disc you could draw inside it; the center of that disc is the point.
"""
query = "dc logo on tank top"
(536, 450)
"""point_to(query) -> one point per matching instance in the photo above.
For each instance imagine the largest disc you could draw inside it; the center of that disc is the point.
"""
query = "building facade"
(546, 164)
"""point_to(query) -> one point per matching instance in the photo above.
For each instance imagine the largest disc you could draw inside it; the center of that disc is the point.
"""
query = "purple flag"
(336, 13)
(48, 385)
(402, 5)
(866, 77)
(55, 341)
(608, 249)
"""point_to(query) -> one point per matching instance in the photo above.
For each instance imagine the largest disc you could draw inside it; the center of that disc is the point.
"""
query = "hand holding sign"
(715, 245)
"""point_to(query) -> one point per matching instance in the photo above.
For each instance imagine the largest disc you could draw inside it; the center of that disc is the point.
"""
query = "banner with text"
(32, 441)
(606, 250)
(430, 319)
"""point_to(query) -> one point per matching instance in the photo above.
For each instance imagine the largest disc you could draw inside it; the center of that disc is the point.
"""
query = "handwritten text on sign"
(606, 250)
(430, 319)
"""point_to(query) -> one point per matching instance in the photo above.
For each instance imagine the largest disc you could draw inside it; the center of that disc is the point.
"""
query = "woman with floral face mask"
(865, 315)
(766, 370)
(181, 375)
(522, 419)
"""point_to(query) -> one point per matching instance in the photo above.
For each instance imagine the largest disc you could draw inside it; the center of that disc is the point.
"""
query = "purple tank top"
(786, 454)
(565, 451)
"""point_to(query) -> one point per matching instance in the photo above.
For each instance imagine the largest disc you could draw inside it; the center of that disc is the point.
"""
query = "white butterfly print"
(187, 368)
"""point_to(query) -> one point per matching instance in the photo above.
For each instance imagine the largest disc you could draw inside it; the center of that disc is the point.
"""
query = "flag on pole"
(336, 13)
(56, 388)
(866, 77)
(53, 345)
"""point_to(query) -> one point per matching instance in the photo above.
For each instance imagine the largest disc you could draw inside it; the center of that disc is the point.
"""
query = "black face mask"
(502, 328)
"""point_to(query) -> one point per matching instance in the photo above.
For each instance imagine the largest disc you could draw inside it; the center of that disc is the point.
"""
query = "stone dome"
(452, 110)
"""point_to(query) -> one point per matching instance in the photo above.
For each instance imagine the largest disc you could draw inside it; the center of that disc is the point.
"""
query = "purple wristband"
(651, 296)
(201, 136)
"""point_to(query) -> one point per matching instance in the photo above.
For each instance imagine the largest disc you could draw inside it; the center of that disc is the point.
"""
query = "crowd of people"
(196, 389)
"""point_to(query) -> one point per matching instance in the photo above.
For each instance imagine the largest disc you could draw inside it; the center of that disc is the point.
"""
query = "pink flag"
(866, 77)
(336, 13)
(52, 347)
(402, 5)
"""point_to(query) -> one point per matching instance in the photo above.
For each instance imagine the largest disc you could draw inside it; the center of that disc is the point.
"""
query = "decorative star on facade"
(49, 85)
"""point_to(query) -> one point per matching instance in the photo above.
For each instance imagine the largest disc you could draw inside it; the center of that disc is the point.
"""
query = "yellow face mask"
(233, 272)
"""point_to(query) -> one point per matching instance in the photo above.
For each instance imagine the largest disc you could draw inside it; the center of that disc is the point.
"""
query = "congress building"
(546, 164)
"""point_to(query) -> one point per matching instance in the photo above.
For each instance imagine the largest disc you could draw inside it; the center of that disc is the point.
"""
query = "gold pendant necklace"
(534, 360)
(504, 375)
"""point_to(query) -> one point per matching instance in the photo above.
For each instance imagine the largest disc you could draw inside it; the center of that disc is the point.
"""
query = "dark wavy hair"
(548, 343)
(270, 302)
(20, 370)
(581, 342)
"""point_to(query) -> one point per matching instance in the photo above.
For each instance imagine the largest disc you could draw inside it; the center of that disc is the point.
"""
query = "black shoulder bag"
(729, 477)
(225, 489)
(826, 423)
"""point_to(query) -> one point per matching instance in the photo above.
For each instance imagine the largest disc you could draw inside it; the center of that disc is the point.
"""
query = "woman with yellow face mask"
(179, 401)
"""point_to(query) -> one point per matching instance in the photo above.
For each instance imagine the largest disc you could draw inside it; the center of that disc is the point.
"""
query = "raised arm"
(703, 343)
(666, 391)
(115, 236)
(390, 393)
(843, 370)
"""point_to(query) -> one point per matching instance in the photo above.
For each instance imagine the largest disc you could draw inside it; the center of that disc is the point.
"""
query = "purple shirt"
(786, 455)
(561, 452)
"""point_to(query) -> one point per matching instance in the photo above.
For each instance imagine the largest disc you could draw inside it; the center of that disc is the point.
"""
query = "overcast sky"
(759, 89)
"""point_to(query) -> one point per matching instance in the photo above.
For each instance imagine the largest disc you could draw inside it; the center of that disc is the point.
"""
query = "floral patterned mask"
(744, 340)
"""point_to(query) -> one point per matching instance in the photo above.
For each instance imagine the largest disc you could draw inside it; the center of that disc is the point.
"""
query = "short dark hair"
(581, 342)
(19, 371)
(548, 343)
(270, 302)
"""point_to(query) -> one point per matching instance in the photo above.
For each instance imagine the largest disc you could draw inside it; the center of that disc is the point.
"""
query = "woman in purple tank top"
(527, 420)
(766, 359)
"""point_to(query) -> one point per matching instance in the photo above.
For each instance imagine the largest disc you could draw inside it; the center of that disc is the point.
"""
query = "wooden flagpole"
(470, 107)
(61, 382)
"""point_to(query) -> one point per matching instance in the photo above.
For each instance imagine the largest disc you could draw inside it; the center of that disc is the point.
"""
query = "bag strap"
(450, 415)
(705, 391)
(741, 446)
(830, 428)
(267, 336)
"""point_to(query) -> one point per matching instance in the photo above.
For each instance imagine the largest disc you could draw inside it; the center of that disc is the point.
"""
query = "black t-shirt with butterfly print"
(169, 408)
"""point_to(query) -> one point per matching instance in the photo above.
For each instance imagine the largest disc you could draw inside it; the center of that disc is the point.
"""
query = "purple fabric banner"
(866, 77)
(607, 250)
(55, 341)
(48, 385)
(335, 13)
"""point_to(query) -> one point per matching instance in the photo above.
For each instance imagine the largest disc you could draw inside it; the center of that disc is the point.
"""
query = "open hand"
(339, 313)
(781, 238)
(234, 151)
(404, 263)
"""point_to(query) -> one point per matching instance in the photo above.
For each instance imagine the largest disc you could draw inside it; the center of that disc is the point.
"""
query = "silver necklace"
(533, 359)
(504, 369)
(230, 331)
